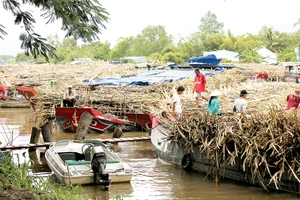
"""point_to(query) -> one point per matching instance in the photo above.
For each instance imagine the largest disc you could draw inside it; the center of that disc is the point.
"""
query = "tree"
(68, 50)
(191, 46)
(209, 24)
(250, 56)
(21, 57)
(174, 57)
(53, 40)
(80, 19)
(122, 49)
(246, 41)
(95, 50)
(212, 42)
(272, 39)
(152, 39)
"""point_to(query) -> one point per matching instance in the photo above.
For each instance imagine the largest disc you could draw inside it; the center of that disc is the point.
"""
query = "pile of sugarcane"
(267, 143)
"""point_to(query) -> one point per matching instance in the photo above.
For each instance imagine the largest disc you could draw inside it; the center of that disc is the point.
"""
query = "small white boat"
(86, 162)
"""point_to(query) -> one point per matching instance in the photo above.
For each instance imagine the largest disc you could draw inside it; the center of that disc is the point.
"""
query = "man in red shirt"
(199, 87)
(293, 100)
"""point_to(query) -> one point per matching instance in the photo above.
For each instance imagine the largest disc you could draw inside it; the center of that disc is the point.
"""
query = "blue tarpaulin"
(209, 59)
(147, 77)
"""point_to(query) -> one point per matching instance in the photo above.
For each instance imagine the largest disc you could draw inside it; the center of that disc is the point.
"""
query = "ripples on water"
(152, 179)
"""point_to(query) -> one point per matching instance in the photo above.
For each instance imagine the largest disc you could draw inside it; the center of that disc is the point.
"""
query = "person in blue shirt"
(213, 105)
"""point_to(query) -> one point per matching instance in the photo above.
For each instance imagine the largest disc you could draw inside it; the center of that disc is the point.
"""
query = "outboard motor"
(98, 166)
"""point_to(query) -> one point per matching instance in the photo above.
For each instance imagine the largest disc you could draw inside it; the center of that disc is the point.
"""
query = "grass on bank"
(16, 184)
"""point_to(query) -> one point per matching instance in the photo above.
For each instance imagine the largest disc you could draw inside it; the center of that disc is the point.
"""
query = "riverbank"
(16, 184)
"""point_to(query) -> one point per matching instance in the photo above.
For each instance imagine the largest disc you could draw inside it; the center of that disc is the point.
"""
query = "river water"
(152, 179)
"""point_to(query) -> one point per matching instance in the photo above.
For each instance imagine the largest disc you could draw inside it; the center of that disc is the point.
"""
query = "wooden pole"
(117, 133)
(46, 131)
(34, 138)
(83, 126)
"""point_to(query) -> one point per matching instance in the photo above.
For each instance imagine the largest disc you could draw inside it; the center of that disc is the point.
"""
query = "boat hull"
(69, 118)
(79, 172)
(144, 120)
(176, 154)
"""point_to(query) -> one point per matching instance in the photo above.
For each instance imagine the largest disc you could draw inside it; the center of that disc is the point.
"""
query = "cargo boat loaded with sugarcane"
(262, 149)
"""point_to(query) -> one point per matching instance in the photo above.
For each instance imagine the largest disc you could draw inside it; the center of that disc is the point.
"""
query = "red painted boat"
(69, 118)
(144, 120)
(3, 89)
(28, 92)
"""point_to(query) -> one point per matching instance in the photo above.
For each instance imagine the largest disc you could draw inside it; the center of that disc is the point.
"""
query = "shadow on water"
(152, 179)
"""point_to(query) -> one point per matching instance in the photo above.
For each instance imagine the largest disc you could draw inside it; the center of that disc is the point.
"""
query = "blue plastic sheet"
(147, 77)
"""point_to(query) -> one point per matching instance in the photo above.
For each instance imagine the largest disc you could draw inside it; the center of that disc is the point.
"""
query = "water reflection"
(152, 179)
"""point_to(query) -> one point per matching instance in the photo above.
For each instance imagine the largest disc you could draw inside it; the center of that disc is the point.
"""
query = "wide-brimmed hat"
(70, 86)
(215, 93)
(297, 93)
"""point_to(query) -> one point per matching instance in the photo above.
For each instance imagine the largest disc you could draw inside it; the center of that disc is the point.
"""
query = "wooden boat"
(28, 92)
(86, 162)
(144, 120)
(176, 153)
(69, 118)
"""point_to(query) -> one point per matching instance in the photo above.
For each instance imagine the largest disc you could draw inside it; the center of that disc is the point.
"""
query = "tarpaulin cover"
(209, 59)
(147, 77)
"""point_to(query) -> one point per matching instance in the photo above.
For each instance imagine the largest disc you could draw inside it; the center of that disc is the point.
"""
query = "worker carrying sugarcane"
(240, 104)
(213, 105)
(293, 100)
(176, 104)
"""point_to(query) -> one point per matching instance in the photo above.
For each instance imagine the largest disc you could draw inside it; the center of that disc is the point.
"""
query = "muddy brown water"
(152, 179)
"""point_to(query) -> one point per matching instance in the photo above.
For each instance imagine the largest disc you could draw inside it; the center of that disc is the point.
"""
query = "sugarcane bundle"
(267, 143)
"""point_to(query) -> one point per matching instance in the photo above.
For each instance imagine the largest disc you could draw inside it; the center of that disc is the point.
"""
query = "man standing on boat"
(69, 97)
(199, 87)
(176, 104)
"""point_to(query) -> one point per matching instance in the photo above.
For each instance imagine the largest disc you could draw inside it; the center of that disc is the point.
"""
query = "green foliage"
(246, 41)
(16, 178)
(80, 19)
(53, 40)
(2, 32)
(272, 39)
(288, 55)
(156, 57)
(250, 56)
(122, 49)
(226, 61)
(209, 24)
(21, 57)
(192, 46)
(67, 51)
(95, 50)
(6, 58)
(168, 49)
(152, 39)
(212, 42)
(174, 57)
(118, 197)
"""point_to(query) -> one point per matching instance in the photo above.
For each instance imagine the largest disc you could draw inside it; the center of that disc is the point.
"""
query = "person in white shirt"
(240, 104)
(69, 97)
(176, 104)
